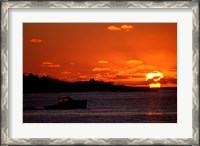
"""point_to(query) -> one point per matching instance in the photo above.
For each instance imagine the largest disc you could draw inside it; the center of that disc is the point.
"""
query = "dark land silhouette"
(35, 84)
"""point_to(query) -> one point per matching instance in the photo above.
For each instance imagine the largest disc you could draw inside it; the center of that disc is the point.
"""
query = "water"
(105, 107)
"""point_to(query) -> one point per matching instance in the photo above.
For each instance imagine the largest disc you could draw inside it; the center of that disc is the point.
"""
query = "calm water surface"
(105, 107)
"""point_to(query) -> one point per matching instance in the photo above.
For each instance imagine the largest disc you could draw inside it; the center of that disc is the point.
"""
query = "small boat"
(68, 103)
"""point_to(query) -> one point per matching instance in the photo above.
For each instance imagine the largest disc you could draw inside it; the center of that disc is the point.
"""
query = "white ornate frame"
(5, 140)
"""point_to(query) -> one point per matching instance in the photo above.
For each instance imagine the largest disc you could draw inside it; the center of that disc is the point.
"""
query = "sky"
(122, 53)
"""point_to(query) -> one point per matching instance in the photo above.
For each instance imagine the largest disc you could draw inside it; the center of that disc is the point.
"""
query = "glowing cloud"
(114, 28)
(54, 65)
(46, 63)
(127, 27)
(102, 62)
(101, 69)
(83, 78)
(36, 41)
(122, 27)
(42, 74)
(49, 64)
(134, 62)
(144, 67)
(65, 72)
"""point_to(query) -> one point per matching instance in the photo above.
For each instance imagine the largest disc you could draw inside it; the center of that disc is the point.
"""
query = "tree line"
(35, 84)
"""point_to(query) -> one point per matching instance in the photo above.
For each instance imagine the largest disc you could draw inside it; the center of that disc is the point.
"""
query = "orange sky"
(122, 53)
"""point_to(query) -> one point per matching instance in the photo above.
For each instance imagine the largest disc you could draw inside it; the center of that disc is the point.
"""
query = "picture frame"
(5, 93)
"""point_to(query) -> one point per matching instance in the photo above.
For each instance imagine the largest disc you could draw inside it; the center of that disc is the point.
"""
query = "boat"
(68, 103)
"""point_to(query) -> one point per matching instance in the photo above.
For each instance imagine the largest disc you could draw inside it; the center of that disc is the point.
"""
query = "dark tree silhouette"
(34, 84)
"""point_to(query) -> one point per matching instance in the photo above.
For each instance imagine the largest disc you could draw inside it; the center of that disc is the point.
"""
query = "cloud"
(127, 27)
(168, 80)
(49, 64)
(54, 65)
(36, 41)
(114, 28)
(122, 27)
(43, 74)
(144, 68)
(134, 62)
(170, 73)
(121, 77)
(83, 78)
(139, 75)
(102, 62)
(46, 63)
(65, 72)
(101, 69)
(129, 74)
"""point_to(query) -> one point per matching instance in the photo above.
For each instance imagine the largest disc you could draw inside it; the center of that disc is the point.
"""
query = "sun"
(153, 78)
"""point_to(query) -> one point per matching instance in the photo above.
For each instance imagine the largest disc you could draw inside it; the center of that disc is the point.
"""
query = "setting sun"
(153, 78)
(154, 85)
